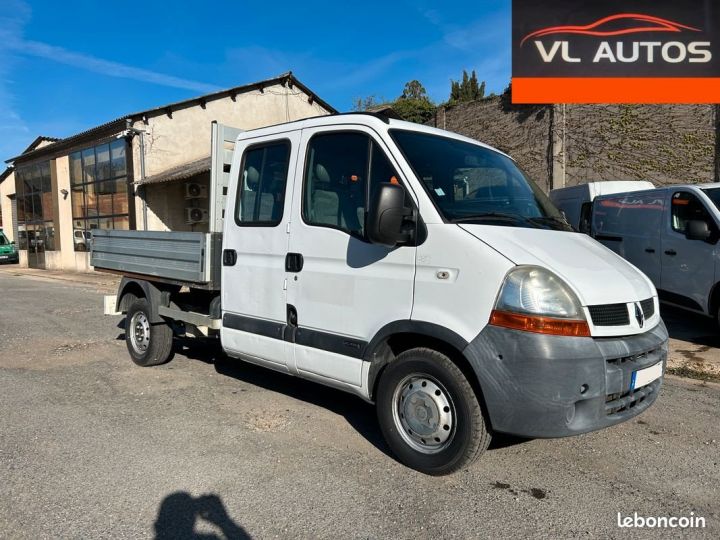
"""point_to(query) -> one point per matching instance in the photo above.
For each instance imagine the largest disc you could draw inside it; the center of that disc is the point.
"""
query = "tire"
(148, 344)
(441, 428)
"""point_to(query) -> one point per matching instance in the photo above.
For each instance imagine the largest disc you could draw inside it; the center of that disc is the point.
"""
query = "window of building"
(262, 182)
(100, 190)
(36, 230)
(686, 207)
(337, 190)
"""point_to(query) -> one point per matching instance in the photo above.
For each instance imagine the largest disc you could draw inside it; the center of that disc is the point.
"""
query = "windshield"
(714, 194)
(473, 184)
(3, 239)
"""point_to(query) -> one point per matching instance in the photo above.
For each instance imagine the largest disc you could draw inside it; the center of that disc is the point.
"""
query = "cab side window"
(262, 183)
(686, 207)
(342, 171)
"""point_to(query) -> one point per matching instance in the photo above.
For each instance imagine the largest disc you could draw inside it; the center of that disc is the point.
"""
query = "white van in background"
(576, 201)
(671, 234)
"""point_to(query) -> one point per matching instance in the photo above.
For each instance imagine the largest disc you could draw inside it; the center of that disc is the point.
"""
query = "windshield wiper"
(490, 216)
(550, 219)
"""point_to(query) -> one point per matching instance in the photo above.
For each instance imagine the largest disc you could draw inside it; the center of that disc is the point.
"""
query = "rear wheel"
(148, 344)
(429, 413)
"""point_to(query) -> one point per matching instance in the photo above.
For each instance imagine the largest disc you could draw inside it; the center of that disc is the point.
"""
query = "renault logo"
(639, 315)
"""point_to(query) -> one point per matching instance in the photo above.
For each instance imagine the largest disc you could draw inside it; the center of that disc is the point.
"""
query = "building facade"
(147, 170)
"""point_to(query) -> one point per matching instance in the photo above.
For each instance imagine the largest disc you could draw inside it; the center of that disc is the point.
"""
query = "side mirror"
(386, 216)
(697, 229)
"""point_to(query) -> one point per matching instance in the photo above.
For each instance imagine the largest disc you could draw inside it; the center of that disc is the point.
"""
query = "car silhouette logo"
(615, 25)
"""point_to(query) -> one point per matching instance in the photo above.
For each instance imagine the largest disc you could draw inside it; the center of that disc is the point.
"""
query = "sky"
(71, 65)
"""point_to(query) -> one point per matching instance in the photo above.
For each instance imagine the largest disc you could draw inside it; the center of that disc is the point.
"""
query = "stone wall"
(573, 144)
(665, 144)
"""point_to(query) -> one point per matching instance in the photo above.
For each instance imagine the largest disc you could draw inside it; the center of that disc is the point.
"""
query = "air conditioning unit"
(193, 190)
(196, 215)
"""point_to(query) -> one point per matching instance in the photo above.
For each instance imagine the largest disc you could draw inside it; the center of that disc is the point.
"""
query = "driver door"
(342, 289)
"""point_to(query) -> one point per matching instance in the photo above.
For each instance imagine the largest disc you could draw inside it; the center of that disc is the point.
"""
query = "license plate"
(3, 257)
(643, 377)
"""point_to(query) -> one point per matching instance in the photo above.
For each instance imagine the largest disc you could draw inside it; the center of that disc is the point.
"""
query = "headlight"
(536, 300)
(534, 290)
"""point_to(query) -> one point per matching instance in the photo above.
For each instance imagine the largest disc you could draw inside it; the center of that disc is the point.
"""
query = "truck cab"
(423, 271)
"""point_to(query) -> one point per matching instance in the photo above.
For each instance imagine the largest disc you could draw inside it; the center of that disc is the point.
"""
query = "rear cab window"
(262, 184)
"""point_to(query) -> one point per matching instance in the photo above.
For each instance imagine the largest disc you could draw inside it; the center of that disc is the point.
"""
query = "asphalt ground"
(92, 446)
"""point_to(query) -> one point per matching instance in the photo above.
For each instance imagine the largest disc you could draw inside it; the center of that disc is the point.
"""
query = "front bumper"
(9, 257)
(537, 385)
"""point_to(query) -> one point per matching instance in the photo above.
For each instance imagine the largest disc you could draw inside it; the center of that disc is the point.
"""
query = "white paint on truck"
(417, 269)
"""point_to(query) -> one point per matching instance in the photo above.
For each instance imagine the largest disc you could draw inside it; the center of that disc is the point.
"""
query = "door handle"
(229, 257)
(293, 262)
(649, 250)
(670, 252)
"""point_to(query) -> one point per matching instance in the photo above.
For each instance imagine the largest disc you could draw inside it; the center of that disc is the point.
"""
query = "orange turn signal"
(539, 325)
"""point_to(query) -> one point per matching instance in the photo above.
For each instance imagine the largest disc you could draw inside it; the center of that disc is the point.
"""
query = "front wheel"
(148, 344)
(429, 413)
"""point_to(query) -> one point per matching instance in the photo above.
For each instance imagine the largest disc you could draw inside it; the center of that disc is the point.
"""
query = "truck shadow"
(692, 327)
(358, 413)
(180, 513)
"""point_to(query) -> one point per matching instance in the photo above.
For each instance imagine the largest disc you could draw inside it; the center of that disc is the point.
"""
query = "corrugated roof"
(42, 138)
(179, 172)
(120, 122)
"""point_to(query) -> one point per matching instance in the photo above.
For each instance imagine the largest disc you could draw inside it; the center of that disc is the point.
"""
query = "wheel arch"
(714, 300)
(140, 288)
(400, 336)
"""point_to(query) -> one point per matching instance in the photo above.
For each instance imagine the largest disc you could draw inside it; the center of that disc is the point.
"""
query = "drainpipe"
(131, 131)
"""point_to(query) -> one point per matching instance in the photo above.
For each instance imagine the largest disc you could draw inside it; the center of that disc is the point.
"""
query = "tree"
(414, 110)
(360, 104)
(466, 90)
(414, 90)
(414, 105)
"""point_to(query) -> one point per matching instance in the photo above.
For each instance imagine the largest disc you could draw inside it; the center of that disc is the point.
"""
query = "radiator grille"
(648, 307)
(609, 315)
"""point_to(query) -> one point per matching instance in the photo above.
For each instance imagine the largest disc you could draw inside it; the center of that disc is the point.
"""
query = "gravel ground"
(92, 447)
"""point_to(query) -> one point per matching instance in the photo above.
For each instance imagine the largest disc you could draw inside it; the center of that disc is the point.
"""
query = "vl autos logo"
(615, 51)
(648, 50)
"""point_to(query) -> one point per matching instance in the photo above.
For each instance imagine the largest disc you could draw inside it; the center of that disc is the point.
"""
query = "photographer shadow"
(180, 513)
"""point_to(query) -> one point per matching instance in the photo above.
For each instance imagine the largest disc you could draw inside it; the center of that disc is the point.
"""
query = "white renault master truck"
(671, 234)
(416, 268)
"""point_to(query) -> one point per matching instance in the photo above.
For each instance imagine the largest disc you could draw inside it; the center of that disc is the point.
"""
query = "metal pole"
(142, 177)
(142, 191)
